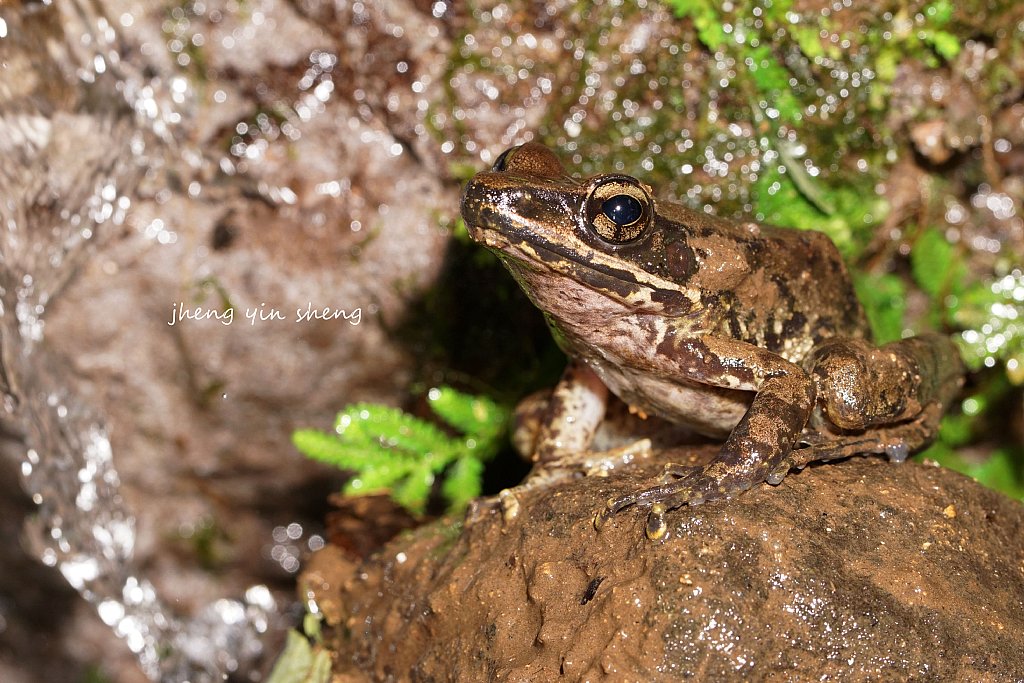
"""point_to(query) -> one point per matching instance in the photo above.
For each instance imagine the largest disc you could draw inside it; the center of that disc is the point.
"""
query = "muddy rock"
(856, 571)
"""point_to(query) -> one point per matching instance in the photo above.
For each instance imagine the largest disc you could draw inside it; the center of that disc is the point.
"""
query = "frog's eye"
(619, 209)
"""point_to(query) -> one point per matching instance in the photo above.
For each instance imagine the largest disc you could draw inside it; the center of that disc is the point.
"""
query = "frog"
(747, 333)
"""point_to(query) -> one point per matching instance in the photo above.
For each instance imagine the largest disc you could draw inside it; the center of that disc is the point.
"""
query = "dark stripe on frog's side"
(673, 301)
(617, 281)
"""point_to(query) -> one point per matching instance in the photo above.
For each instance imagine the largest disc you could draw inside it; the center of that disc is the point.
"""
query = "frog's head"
(603, 232)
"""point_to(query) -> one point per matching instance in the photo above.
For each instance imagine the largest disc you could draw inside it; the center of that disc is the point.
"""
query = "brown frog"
(739, 330)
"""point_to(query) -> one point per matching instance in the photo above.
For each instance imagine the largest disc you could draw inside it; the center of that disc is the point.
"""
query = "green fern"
(392, 451)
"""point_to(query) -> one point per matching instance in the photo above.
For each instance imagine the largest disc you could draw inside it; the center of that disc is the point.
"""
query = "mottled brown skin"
(740, 330)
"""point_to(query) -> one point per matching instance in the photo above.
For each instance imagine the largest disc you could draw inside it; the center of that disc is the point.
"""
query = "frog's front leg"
(756, 446)
(555, 433)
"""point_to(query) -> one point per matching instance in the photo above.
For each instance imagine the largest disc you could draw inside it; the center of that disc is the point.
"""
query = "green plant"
(392, 451)
(301, 662)
(785, 59)
(990, 315)
(1000, 469)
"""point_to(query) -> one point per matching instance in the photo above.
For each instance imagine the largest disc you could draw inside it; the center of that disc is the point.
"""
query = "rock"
(336, 212)
(861, 570)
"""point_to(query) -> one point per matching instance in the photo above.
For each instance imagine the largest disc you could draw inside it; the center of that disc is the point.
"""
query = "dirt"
(857, 571)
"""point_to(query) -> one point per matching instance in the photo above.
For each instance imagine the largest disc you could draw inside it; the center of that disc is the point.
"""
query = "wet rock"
(856, 571)
(316, 204)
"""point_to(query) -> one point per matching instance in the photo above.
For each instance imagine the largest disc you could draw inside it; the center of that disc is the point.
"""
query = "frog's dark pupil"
(622, 209)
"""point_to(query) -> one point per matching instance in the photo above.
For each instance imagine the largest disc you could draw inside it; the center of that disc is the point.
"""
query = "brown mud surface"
(857, 571)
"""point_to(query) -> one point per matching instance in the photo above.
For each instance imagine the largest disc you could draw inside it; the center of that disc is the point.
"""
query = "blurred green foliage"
(884, 298)
(301, 662)
(94, 674)
(1001, 468)
(910, 34)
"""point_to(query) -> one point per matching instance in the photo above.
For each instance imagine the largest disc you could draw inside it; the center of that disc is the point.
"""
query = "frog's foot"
(555, 469)
(686, 485)
(896, 442)
(561, 466)
(680, 485)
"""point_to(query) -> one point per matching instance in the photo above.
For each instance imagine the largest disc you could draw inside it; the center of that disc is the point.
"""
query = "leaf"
(375, 478)
(956, 430)
(884, 300)
(369, 424)
(468, 414)
(772, 80)
(932, 262)
(462, 482)
(798, 174)
(412, 493)
(946, 45)
(328, 448)
(705, 19)
(939, 13)
(885, 64)
(312, 626)
(808, 38)
(301, 663)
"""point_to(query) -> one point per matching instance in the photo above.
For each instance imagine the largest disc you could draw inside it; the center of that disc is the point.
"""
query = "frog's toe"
(663, 497)
(509, 503)
(674, 471)
(775, 477)
(613, 506)
(897, 451)
(656, 528)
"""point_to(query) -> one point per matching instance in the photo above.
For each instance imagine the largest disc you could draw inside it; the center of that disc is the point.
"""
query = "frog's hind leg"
(556, 431)
(897, 442)
(860, 385)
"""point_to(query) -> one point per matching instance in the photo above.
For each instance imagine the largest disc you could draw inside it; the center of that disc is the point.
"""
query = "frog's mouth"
(533, 251)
